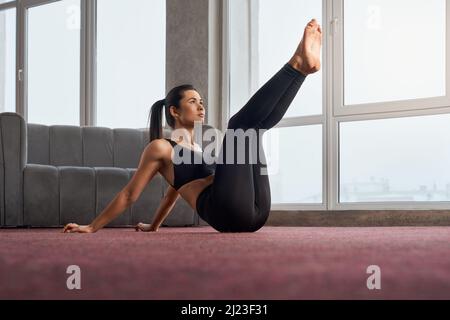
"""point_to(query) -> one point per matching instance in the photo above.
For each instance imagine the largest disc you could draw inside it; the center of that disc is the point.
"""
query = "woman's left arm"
(166, 205)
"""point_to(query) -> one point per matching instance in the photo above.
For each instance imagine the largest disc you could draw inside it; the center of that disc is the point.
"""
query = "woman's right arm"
(149, 165)
(118, 205)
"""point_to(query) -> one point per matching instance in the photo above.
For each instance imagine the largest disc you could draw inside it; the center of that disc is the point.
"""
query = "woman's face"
(191, 109)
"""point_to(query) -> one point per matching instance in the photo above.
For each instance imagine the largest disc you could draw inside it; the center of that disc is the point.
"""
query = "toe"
(312, 27)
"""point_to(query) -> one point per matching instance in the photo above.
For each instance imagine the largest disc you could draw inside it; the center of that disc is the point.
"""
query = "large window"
(393, 50)
(53, 61)
(405, 159)
(82, 62)
(379, 137)
(8, 60)
(294, 158)
(131, 54)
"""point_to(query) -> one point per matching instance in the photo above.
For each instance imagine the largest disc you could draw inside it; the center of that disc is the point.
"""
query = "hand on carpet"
(145, 227)
(73, 227)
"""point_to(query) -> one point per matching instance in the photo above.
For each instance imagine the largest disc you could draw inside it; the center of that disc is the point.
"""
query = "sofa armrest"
(13, 158)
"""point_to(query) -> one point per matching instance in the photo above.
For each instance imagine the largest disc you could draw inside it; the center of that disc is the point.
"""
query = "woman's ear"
(173, 112)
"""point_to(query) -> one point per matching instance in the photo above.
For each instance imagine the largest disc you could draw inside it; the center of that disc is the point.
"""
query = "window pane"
(131, 59)
(54, 63)
(240, 87)
(258, 52)
(8, 60)
(403, 159)
(393, 50)
(294, 157)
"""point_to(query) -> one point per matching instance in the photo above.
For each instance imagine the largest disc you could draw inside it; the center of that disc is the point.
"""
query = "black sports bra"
(194, 168)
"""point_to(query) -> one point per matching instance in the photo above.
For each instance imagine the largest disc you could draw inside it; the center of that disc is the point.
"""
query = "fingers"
(66, 227)
(70, 227)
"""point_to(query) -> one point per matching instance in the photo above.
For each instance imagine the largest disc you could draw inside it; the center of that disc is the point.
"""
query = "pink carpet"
(200, 263)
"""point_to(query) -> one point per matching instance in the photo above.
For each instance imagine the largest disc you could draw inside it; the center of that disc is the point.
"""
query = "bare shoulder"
(158, 149)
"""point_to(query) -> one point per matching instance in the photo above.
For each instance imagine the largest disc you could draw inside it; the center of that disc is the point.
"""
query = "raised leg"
(269, 104)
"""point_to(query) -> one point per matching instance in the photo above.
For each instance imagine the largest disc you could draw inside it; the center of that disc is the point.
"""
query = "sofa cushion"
(65, 146)
(127, 147)
(41, 195)
(98, 147)
(38, 144)
(76, 195)
(109, 182)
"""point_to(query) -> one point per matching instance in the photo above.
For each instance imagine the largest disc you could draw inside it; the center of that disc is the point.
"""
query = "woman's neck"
(183, 135)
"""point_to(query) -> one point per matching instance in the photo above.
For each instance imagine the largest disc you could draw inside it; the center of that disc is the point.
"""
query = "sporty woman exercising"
(231, 197)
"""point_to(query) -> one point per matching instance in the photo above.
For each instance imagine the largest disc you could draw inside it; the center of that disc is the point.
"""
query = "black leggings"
(239, 198)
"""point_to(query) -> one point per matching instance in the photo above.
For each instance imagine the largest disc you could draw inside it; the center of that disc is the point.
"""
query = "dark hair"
(172, 99)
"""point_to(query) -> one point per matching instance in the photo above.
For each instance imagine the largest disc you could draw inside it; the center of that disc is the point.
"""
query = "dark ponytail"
(173, 99)
(156, 120)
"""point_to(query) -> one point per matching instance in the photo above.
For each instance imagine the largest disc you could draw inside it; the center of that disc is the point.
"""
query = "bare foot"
(144, 227)
(307, 56)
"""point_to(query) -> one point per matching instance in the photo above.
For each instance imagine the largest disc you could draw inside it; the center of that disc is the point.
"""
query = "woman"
(233, 197)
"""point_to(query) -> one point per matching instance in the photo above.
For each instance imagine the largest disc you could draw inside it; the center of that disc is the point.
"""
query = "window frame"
(341, 109)
(338, 113)
(22, 49)
(88, 57)
(3, 7)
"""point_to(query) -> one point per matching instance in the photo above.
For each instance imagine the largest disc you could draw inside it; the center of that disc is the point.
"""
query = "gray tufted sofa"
(53, 175)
